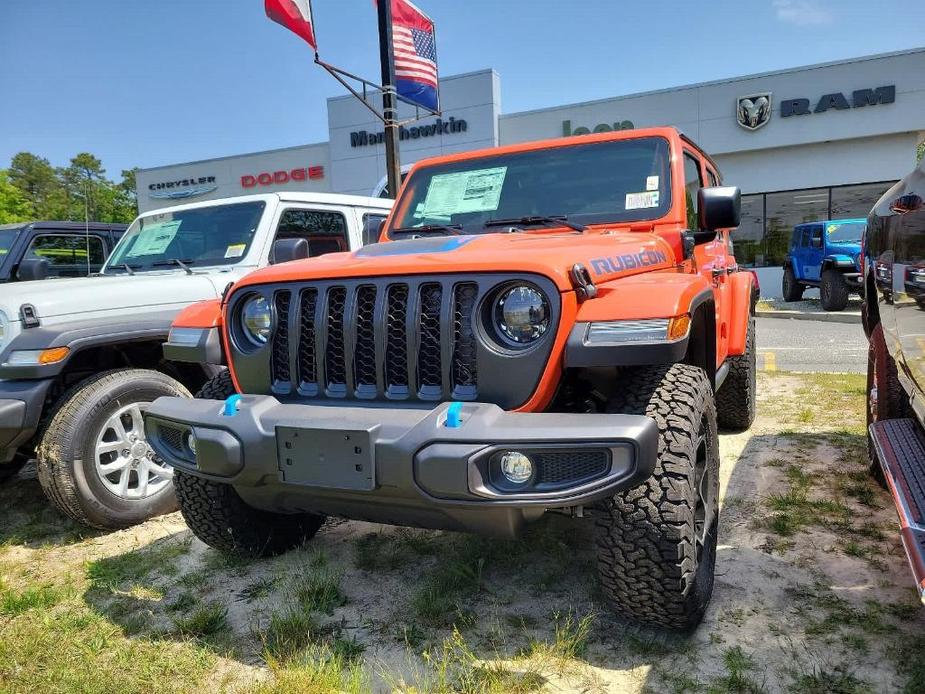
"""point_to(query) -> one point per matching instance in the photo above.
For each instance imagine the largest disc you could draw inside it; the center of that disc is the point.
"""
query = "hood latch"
(581, 280)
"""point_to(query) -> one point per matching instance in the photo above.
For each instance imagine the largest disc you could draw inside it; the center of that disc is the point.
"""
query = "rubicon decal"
(630, 261)
(269, 178)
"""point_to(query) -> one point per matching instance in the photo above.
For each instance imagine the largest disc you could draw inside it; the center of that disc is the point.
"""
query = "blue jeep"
(825, 255)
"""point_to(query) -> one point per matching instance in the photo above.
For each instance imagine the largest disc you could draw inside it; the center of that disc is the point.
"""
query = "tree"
(126, 202)
(36, 178)
(920, 153)
(88, 191)
(14, 206)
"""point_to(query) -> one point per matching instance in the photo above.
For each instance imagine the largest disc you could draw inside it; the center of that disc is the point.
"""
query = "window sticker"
(154, 239)
(832, 228)
(235, 250)
(651, 182)
(469, 191)
(639, 201)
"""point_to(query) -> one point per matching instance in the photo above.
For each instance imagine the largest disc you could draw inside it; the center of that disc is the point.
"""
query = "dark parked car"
(37, 250)
(894, 320)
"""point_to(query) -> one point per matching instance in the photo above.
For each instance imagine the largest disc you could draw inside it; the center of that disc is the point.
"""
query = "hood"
(107, 294)
(606, 255)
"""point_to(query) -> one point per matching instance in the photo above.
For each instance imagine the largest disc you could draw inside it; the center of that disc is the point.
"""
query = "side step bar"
(900, 447)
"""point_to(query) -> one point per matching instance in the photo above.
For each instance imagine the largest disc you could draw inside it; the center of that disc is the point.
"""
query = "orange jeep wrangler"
(551, 327)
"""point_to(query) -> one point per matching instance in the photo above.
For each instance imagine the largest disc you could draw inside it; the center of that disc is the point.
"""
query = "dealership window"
(68, 255)
(326, 232)
(763, 238)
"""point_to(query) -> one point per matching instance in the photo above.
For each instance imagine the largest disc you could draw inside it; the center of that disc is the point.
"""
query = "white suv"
(81, 358)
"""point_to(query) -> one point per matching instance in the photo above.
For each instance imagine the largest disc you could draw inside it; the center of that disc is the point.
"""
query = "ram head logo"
(754, 110)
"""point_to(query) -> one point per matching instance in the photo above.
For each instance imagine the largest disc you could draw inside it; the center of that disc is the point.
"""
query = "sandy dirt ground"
(812, 588)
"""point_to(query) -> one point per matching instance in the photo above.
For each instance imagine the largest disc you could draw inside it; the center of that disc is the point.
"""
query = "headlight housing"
(257, 320)
(521, 314)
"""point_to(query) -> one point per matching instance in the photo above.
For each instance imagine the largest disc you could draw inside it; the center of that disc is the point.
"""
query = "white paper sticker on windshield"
(639, 201)
(651, 182)
(235, 250)
(154, 238)
(468, 191)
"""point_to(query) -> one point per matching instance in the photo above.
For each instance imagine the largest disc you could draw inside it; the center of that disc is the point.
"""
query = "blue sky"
(150, 83)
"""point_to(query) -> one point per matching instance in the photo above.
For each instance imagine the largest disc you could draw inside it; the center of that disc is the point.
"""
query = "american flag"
(415, 54)
(414, 46)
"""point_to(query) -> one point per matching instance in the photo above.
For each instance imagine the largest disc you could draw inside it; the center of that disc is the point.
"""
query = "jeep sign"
(599, 128)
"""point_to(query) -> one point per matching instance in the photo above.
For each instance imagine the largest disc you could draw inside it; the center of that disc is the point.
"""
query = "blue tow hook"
(232, 405)
(454, 415)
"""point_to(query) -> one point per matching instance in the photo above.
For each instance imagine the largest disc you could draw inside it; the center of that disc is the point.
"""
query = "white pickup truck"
(81, 358)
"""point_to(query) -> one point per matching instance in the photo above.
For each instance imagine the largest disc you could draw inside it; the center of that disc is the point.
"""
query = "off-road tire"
(891, 401)
(218, 516)
(790, 288)
(833, 290)
(647, 554)
(65, 457)
(736, 399)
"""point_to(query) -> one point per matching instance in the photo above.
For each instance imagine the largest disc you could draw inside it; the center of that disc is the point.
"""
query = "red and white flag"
(295, 15)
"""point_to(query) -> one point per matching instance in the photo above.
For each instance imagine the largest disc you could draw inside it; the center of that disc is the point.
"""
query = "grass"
(13, 602)
(739, 667)
(113, 572)
(319, 590)
(825, 682)
(206, 620)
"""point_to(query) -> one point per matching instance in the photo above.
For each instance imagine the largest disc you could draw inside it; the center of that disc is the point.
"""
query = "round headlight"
(522, 314)
(257, 320)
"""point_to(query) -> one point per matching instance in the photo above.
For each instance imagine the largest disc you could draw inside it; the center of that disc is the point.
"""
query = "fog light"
(191, 443)
(516, 467)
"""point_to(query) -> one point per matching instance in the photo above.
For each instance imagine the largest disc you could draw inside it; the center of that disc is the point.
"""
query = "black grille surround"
(403, 339)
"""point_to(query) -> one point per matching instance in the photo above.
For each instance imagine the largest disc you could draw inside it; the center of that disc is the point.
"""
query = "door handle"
(718, 272)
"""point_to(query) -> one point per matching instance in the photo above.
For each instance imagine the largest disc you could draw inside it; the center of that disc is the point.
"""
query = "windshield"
(619, 181)
(217, 235)
(845, 232)
(7, 236)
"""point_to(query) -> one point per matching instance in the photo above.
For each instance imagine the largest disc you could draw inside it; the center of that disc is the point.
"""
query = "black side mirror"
(719, 207)
(286, 250)
(32, 269)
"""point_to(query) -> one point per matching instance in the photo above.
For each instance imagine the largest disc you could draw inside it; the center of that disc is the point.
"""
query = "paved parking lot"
(805, 345)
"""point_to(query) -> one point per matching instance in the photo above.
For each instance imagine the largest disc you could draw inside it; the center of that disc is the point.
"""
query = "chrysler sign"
(182, 188)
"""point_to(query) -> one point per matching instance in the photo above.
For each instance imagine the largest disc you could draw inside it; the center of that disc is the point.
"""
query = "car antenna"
(87, 224)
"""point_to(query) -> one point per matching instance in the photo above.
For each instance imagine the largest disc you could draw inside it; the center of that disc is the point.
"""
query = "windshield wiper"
(454, 229)
(176, 261)
(130, 269)
(549, 220)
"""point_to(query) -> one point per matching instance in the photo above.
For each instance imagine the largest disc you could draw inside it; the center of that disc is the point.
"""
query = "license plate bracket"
(332, 458)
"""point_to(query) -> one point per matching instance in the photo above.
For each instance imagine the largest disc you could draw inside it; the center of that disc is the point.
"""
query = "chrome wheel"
(126, 464)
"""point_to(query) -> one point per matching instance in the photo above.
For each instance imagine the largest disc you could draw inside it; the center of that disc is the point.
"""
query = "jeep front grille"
(383, 338)
(366, 346)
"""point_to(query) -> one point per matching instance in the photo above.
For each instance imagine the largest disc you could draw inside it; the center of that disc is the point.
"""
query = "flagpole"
(389, 103)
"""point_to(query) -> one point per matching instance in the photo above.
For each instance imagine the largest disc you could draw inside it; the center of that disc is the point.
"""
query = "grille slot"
(465, 348)
(430, 361)
(281, 372)
(396, 346)
(335, 349)
(172, 437)
(308, 364)
(364, 352)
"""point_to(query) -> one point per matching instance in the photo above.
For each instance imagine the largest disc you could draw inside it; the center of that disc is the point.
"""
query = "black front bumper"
(404, 466)
(21, 404)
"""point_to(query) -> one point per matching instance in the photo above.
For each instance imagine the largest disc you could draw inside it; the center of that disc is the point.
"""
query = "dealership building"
(816, 142)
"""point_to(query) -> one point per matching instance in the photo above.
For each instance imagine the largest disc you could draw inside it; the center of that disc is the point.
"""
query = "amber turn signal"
(678, 327)
(53, 355)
